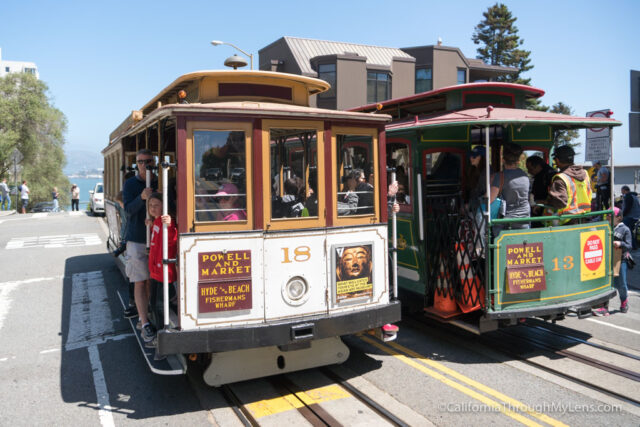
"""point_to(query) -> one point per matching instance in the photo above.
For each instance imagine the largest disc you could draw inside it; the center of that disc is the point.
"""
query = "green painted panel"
(576, 264)
(494, 99)
(409, 276)
(531, 133)
(445, 134)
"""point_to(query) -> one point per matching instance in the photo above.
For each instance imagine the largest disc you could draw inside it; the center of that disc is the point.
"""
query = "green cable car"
(455, 262)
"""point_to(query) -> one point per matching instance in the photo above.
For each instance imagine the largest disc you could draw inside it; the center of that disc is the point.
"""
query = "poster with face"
(353, 266)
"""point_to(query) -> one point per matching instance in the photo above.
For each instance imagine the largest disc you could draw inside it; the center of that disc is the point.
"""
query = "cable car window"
(443, 172)
(356, 175)
(220, 178)
(294, 173)
(398, 158)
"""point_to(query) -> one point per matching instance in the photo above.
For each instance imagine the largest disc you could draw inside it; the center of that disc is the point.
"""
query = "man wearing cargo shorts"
(135, 194)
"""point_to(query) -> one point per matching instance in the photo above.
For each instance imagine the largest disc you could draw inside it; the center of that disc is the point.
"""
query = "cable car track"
(314, 413)
(505, 346)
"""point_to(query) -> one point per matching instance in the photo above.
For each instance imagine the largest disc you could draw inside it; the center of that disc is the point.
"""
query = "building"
(7, 67)
(363, 74)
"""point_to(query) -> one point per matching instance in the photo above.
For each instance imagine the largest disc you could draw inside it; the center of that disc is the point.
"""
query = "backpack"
(20, 188)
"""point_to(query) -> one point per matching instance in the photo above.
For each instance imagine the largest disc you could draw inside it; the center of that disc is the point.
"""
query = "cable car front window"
(294, 173)
(356, 175)
(220, 175)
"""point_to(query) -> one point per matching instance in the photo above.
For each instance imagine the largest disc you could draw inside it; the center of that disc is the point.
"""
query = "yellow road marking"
(296, 400)
(481, 387)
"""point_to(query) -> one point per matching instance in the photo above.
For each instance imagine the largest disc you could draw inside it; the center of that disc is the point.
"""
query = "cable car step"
(173, 364)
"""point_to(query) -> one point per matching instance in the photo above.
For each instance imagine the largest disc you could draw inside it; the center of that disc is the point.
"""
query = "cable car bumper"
(555, 310)
(278, 333)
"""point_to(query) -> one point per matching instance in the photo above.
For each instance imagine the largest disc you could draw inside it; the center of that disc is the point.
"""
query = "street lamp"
(218, 43)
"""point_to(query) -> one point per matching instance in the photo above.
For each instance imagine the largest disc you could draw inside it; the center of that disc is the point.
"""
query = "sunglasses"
(145, 162)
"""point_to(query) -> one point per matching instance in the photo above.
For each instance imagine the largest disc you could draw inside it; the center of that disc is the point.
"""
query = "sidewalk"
(7, 213)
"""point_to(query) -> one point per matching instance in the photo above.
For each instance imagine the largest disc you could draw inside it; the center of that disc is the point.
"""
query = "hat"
(616, 211)
(564, 153)
(598, 162)
(478, 150)
(227, 189)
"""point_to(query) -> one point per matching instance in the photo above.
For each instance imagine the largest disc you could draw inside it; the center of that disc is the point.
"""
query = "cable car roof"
(481, 116)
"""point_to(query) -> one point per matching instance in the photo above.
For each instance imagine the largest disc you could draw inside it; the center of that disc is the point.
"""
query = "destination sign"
(525, 268)
(224, 281)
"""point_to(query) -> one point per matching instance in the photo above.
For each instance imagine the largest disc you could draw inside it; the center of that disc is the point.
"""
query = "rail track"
(313, 412)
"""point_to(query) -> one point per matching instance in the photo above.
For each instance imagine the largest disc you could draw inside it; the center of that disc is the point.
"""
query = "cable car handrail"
(547, 218)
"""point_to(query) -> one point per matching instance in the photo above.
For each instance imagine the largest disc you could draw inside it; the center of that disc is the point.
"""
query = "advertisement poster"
(353, 271)
(224, 281)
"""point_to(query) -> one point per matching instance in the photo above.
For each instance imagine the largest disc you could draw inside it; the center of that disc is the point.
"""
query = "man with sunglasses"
(135, 194)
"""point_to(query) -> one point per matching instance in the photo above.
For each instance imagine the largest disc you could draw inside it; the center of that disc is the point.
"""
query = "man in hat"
(542, 175)
(603, 186)
(570, 191)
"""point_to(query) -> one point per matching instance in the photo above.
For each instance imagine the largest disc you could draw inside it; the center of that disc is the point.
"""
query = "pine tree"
(564, 137)
(500, 43)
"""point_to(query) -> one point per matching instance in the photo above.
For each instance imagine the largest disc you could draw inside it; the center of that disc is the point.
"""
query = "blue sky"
(103, 59)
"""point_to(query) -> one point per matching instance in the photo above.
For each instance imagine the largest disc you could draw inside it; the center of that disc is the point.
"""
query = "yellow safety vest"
(578, 195)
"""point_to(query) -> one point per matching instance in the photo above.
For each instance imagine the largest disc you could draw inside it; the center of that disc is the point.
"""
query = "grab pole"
(395, 242)
(165, 241)
(148, 184)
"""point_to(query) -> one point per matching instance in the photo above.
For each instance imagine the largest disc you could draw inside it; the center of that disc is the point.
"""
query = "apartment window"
(6, 69)
(378, 86)
(30, 70)
(424, 80)
(327, 72)
(462, 76)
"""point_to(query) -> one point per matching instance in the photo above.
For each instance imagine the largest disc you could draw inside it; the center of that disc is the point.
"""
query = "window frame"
(430, 80)
(212, 226)
(458, 70)
(361, 219)
(387, 89)
(299, 222)
(405, 207)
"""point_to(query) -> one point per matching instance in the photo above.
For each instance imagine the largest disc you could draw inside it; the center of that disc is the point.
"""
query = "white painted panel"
(190, 248)
(288, 255)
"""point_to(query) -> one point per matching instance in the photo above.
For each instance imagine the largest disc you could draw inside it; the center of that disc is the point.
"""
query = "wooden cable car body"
(261, 289)
(448, 263)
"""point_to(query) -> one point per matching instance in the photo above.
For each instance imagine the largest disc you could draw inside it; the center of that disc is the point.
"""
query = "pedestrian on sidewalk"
(621, 243)
(75, 197)
(54, 195)
(24, 196)
(5, 196)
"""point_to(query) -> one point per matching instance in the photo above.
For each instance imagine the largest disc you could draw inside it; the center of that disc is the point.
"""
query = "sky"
(101, 60)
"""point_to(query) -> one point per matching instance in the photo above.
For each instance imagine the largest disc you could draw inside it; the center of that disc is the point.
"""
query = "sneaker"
(600, 312)
(139, 325)
(148, 333)
(152, 344)
(624, 306)
(131, 312)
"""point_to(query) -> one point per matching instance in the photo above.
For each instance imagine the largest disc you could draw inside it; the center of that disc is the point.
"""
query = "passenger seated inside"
(289, 205)
(364, 190)
(227, 198)
(348, 198)
(311, 199)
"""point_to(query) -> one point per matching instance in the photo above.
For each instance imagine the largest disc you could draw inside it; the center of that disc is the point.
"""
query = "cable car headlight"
(295, 291)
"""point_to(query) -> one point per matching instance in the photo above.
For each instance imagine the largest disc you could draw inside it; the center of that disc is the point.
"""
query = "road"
(68, 357)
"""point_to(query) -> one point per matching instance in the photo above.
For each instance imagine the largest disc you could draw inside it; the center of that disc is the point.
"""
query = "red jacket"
(155, 250)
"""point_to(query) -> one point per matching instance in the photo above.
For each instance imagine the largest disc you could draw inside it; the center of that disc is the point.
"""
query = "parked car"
(96, 200)
(213, 174)
(237, 174)
(43, 207)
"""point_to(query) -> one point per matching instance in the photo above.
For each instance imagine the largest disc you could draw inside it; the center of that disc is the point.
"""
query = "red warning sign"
(592, 252)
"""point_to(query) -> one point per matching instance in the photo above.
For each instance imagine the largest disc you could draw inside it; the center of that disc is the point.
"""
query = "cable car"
(273, 265)
(456, 263)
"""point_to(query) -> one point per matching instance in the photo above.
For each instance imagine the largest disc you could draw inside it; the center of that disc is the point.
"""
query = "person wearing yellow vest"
(570, 191)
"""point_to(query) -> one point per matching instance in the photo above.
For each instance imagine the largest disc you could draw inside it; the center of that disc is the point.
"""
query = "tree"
(500, 45)
(564, 137)
(31, 124)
